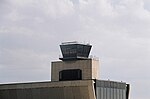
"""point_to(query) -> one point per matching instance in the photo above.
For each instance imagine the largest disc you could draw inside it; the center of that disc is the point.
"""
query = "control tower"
(75, 64)
(74, 76)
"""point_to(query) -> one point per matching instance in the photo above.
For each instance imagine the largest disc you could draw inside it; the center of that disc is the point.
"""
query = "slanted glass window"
(118, 94)
(102, 93)
(105, 93)
(115, 93)
(71, 74)
(124, 94)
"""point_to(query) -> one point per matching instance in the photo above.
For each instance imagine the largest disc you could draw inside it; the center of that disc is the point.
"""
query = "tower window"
(71, 74)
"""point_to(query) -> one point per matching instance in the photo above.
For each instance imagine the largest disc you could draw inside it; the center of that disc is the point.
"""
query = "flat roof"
(59, 84)
(74, 42)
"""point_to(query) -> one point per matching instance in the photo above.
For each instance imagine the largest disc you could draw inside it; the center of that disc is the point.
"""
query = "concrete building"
(74, 77)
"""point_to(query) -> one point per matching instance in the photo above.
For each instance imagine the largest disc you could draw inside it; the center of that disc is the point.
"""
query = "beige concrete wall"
(82, 89)
(89, 67)
(95, 69)
(46, 84)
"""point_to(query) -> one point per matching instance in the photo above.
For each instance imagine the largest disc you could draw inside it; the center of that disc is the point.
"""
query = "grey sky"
(119, 30)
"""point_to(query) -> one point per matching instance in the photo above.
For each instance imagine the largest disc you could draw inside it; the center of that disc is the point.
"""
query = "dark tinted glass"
(73, 74)
(75, 51)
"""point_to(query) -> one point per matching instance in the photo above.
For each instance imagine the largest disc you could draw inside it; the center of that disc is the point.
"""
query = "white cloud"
(21, 57)
(30, 32)
(133, 8)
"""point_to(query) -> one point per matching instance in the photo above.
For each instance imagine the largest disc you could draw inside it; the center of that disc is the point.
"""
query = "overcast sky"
(119, 30)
